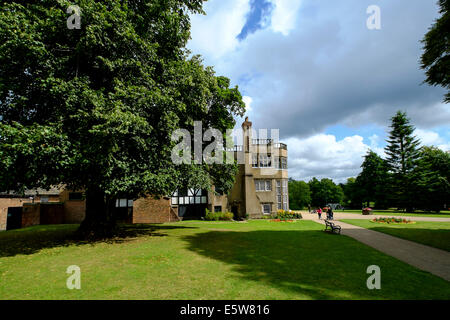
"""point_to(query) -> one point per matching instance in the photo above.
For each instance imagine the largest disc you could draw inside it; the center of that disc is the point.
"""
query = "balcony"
(269, 142)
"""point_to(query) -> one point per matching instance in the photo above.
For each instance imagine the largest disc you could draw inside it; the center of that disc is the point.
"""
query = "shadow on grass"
(312, 264)
(288, 260)
(33, 239)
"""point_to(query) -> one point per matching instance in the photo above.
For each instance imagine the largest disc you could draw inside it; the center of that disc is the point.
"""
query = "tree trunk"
(99, 222)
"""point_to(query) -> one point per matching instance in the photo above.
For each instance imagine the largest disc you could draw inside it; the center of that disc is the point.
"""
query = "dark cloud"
(331, 69)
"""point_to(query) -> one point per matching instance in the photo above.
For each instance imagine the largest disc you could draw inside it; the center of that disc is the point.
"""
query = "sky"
(315, 71)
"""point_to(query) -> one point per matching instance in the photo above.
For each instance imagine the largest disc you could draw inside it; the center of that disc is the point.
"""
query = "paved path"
(343, 215)
(435, 261)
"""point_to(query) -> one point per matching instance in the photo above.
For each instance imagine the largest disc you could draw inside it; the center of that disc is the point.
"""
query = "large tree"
(433, 179)
(325, 191)
(436, 55)
(402, 154)
(299, 194)
(352, 194)
(95, 108)
(372, 181)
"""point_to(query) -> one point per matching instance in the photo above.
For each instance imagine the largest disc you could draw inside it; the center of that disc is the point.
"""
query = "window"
(276, 162)
(217, 208)
(44, 199)
(189, 196)
(282, 195)
(279, 197)
(266, 208)
(263, 185)
(285, 194)
(124, 203)
(254, 160)
(283, 163)
(75, 195)
(265, 160)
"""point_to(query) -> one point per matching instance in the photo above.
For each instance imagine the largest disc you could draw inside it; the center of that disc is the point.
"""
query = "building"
(260, 188)
(40, 206)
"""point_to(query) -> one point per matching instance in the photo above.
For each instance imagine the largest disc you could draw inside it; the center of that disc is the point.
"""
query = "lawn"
(435, 234)
(442, 214)
(206, 260)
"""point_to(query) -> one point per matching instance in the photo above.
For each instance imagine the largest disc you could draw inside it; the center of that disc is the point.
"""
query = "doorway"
(14, 218)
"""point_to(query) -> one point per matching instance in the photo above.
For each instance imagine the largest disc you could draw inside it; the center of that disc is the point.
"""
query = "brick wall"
(150, 210)
(74, 211)
(4, 204)
(31, 214)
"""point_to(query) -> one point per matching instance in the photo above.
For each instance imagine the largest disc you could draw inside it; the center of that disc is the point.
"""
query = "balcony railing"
(238, 148)
(235, 148)
(261, 141)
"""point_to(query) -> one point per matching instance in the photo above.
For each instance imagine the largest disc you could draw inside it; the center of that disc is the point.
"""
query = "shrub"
(218, 216)
(284, 214)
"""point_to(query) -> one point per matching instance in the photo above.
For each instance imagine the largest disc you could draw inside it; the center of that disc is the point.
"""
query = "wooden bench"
(333, 228)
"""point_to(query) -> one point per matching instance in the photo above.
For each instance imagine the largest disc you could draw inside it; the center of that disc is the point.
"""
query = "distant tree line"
(410, 178)
(315, 193)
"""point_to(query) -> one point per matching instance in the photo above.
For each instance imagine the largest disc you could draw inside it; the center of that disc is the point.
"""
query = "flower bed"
(392, 220)
(281, 220)
(284, 214)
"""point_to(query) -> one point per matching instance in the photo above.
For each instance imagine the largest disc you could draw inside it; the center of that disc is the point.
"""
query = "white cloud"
(323, 156)
(215, 34)
(248, 103)
(284, 15)
(428, 137)
(432, 138)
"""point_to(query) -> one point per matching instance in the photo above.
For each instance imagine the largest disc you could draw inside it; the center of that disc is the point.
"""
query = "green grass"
(206, 260)
(435, 234)
(442, 214)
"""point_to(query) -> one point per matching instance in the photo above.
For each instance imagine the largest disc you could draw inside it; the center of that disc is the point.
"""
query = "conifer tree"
(402, 154)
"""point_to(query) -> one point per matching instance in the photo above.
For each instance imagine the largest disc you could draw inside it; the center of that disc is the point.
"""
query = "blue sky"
(313, 70)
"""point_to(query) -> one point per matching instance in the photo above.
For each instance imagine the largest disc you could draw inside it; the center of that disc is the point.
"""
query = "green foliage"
(352, 194)
(218, 216)
(372, 181)
(325, 191)
(432, 179)
(299, 194)
(410, 178)
(436, 58)
(402, 154)
(95, 108)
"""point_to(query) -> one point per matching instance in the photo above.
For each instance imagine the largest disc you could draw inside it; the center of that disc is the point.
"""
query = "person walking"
(319, 212)
(330, 213)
